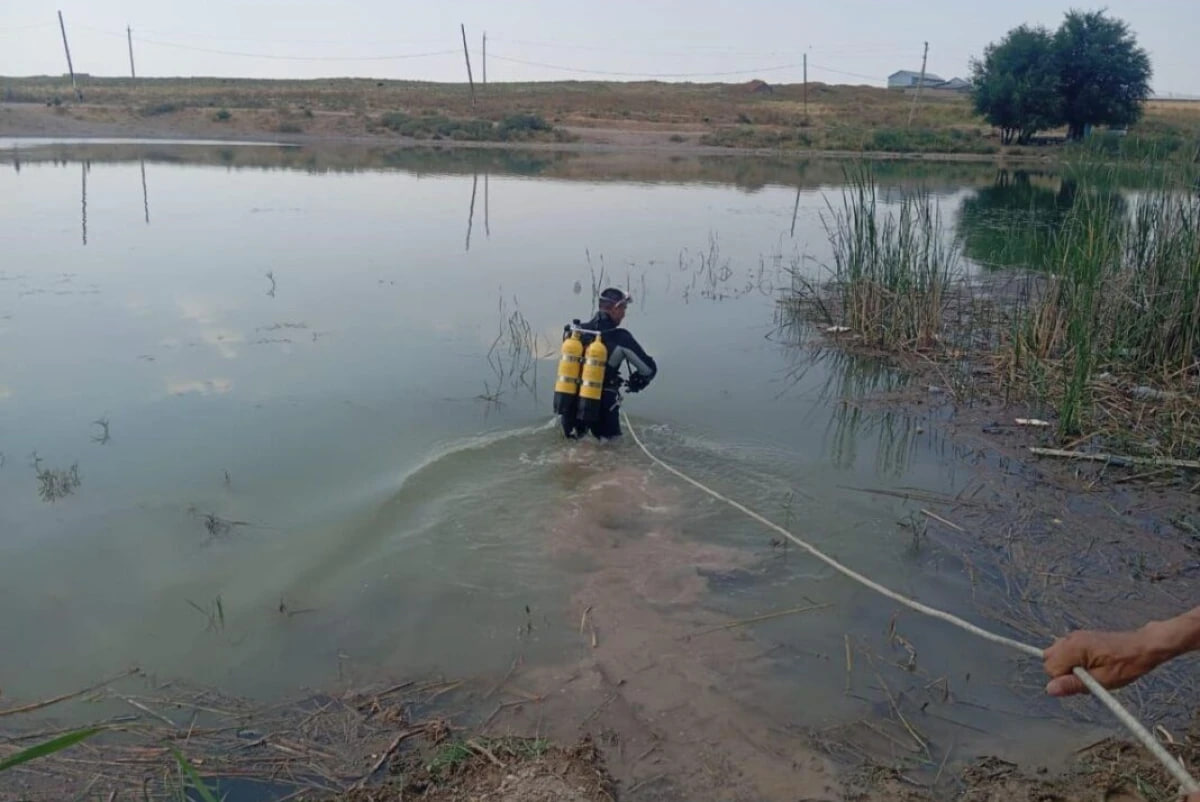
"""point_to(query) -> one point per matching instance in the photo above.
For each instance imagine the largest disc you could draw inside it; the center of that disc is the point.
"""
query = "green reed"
(1120, 296)
(892, 269)
(1103, 325)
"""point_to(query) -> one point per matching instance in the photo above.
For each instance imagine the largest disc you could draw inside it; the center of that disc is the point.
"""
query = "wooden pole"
(467, 56)
(485, 59)
(471, 212)
(129, 35)
(920, 85)
(806, 87)
(70, 67)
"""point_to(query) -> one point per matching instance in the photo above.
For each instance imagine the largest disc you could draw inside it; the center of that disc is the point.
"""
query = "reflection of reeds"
(214, 524)
(214, 613)
(512, 356)
(597, 279)
(55, 483)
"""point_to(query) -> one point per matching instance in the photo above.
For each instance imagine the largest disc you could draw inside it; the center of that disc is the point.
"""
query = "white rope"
(1169, 762)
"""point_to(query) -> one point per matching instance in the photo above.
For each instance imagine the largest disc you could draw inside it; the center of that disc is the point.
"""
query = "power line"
(396, 57)
(843, 72)
(637, 51)
(258, 40)
(271, 56)
(20, 28)
(710, 51)
(562, 68)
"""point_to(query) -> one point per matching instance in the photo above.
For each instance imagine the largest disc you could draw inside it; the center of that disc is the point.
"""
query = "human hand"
(1193, 798)
(636, 383)
(1115, 659)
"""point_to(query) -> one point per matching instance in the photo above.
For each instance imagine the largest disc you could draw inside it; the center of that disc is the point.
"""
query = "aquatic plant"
(891, 270)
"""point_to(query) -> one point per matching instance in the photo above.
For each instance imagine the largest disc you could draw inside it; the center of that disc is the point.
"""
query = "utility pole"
(920, 86)
(129, 35)
(70, 68)
(806, 87)
(467, 56)
(485, 59)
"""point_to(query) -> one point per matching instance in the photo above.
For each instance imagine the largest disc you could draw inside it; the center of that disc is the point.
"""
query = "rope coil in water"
(1169, 762)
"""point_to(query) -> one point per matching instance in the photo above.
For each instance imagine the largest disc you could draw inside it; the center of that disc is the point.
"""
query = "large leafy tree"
(1089, 72)
(1016, 84)
(1104, 76)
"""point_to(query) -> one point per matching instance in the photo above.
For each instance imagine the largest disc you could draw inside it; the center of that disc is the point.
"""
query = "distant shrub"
(160, 108)
(522, 126)
(744, 118)
(290, 128)
(927, 140)
(223, 116)
(677, 138)
(749, 137)
(1131, 146)
(514, 127)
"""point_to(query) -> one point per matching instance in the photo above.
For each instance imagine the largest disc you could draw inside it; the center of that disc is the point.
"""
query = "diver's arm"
(643, 364)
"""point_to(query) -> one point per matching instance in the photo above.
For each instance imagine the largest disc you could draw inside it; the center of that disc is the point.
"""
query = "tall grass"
(1122, 298)
(891, 269)
(1104, 328)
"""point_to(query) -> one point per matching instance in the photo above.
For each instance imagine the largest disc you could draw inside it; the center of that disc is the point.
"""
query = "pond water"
(269, 416)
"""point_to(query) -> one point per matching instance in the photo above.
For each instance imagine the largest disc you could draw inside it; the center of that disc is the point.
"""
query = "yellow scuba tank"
(591, 387)
(570, 364)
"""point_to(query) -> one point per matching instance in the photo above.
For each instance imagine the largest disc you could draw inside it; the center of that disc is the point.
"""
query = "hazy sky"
(858, 41)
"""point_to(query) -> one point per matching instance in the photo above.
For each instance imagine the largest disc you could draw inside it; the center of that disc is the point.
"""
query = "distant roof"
(929, 76)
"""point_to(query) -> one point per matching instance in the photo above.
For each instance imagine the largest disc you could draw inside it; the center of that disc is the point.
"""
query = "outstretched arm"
(1116, 659)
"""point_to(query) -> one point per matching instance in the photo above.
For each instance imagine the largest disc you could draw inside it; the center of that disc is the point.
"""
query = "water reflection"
(145, 195)
(471, 210)
(1012, 223)
(750, 174)
(83, 168)
(54, 483)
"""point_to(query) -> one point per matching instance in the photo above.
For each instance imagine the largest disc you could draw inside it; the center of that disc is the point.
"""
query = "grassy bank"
(1094, 320)
(751, 115)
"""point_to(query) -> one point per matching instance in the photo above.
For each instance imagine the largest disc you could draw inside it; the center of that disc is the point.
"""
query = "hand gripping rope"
(1169, 762)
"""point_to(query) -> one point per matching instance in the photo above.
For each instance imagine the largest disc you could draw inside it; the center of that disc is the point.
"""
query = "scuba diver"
(587, 393)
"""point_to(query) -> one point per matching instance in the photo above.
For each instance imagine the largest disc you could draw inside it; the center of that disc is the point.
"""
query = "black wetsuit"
(622, 349)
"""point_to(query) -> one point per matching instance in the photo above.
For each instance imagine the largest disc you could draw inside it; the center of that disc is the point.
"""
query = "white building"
(907, 79)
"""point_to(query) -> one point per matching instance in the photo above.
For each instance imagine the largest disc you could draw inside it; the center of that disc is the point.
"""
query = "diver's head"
(614, 302)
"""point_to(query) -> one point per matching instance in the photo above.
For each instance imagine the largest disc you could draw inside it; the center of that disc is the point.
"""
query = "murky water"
(270, 417)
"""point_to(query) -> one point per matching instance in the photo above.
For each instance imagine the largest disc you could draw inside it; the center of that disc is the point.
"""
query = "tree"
(1016, 85)
(1104, 76)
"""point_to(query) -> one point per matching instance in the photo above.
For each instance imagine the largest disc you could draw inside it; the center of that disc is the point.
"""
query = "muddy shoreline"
(89, 121)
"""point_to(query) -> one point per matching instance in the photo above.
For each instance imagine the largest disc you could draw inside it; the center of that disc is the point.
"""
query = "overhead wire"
(623, 74)
(271, 56)
(711, 51)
